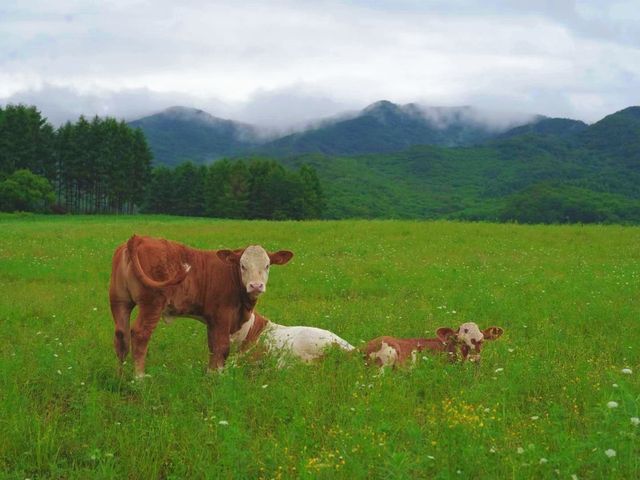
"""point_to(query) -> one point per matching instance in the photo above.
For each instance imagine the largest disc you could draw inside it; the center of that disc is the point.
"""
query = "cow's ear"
(445, 333)
(492, 333)
(228, 256)
(281, 257)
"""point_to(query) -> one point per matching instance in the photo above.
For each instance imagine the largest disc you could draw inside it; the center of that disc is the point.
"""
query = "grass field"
(567, 297)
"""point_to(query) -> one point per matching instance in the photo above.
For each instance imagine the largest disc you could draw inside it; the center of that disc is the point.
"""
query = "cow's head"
(253, 263)
(469, 338)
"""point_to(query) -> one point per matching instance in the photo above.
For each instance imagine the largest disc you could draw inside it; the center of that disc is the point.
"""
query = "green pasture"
(568, 298)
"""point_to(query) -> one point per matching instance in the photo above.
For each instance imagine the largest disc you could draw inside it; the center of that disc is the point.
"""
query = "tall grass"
(567, 297)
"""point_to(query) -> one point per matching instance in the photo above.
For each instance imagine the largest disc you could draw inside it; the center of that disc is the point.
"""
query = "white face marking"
(387, 354)
(254, 269)
(470, 334)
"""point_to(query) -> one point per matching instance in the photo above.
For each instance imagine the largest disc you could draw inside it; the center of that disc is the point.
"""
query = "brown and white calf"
(167, 279)
(304, 343)
(467, 339)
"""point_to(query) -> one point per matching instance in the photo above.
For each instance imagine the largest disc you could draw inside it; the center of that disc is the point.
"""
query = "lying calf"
(304, 343)
(468, 339)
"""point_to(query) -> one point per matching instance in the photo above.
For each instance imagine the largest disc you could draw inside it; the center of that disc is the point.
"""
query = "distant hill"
(180, 133)
(617, 133)
(391, 161)
(589, 173)
(547, 126)
(386, 127)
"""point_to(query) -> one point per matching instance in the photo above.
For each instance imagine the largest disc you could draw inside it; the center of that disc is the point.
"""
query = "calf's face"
(253, 263)
(469, 338)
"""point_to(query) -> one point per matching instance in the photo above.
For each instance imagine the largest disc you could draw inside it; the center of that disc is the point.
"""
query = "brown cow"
(391, 351)
(167, 279)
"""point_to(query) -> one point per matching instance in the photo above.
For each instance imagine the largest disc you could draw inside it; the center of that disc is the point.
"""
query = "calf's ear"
(492, 333)
(281, 257)
(228, 256)
(445, 333)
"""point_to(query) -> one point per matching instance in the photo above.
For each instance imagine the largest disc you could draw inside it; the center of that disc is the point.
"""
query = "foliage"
(536, 405)
(477, 183)
(95, 166)
(259, 189)
(26, 141)
(25, 191)
(557, 203)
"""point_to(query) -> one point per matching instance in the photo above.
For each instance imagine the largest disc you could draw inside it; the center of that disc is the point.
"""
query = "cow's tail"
(132, 247)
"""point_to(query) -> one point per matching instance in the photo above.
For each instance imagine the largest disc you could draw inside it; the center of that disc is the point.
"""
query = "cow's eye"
(242, 267)
(267, 267)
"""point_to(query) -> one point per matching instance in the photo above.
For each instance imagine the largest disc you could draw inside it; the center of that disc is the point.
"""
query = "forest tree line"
(104, 166)
(258, 189)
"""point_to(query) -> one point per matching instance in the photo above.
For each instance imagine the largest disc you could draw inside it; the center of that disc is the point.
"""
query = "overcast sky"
(279, 63)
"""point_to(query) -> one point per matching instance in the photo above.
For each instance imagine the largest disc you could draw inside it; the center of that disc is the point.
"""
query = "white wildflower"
(535, 417)
(574, 476)
(627, 371)
(520, 450)
(543, 461)
(635, 421)
(612, 404)
(431, 457)
(498, 370)
(610, 453)
(265, 385)
(223, 422)
(615, 385)
(510, 350)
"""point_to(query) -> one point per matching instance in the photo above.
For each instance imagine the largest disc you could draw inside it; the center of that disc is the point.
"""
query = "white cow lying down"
(304, 343)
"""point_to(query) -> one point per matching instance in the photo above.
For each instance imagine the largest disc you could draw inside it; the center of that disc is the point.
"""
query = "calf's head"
(469, 338)
(253, 263)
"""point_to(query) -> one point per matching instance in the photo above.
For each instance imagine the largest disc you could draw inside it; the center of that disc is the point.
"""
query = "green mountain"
(582, 176)
(547, 126)
(441, 163)
(386, 127)
(179, 133)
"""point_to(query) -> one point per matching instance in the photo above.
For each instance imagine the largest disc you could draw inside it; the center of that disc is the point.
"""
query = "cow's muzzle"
(256, 288)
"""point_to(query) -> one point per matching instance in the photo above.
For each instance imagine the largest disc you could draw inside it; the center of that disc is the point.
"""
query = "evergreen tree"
(189, 187)
(217, 177)
(161, 192)
(314, 202)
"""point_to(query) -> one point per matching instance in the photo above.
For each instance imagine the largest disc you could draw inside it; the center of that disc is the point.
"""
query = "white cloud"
(282, 63)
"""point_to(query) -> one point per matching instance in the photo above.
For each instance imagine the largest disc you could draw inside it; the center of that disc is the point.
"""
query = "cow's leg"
(121, 312)
(219, 344)
(148, 317)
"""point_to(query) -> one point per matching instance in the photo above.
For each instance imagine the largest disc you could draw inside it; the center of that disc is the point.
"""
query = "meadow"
(536, 407)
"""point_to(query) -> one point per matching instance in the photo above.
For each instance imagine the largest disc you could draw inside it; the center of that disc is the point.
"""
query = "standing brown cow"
(167, 279)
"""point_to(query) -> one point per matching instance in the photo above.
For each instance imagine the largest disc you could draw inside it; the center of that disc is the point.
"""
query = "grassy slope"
(467, 182)
(566, 296)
